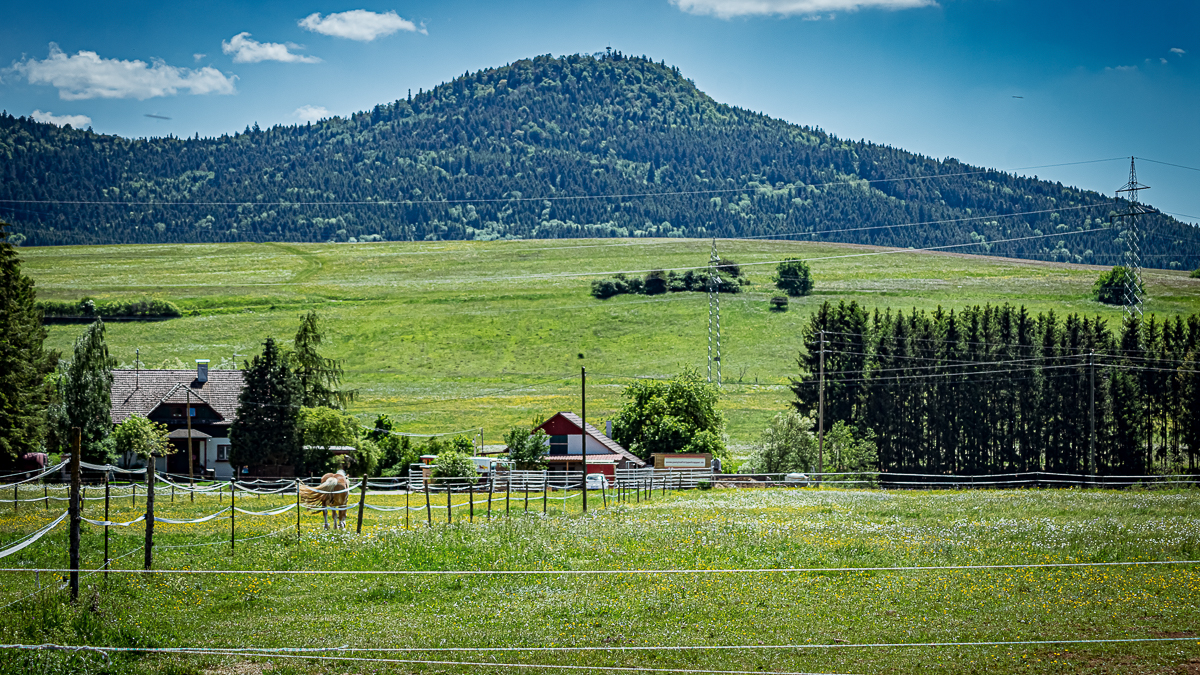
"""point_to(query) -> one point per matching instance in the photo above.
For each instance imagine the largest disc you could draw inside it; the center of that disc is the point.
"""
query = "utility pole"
(583, 415)
(1092, 393)
(714, 312)
(821, 414)
(1133, 257)
(188, 413)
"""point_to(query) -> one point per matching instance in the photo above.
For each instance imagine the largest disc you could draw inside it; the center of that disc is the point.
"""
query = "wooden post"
(471, 496)
(106, 493)
(639, 492)
(362, 501)
(46, 492)
(603, 493)
(449, 516)
(76, 516)
(192, 491)
(172, 493)
(491, 486)
(133, 496)
(407, 494)
(545, 492)
(297, 509)
(526, 495)
(151, 474)
(14, 498)
(233, 511)
(428, 506)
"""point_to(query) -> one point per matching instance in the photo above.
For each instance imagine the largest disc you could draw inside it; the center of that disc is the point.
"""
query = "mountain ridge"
(608, 146)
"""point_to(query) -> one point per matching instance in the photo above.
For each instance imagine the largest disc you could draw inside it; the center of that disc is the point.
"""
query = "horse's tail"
(311, 497)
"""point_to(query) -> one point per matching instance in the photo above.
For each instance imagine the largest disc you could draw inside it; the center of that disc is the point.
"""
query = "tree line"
(998, 389)
(499, 152)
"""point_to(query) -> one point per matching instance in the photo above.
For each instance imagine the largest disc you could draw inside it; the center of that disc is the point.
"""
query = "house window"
(558, 445)
(177, 412)
(222, 453)
(192, 412)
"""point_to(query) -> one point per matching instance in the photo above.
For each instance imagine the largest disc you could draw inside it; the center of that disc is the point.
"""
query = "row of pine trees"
(996, 389)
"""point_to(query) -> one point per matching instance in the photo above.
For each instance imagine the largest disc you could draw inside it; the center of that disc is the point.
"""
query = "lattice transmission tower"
(1133, 252)
(714, 314)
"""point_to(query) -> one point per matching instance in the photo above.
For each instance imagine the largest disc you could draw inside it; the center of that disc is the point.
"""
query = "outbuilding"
(568, 438)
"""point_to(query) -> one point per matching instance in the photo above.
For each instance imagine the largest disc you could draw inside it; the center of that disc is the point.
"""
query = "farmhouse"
(207, 398)
(604, 455)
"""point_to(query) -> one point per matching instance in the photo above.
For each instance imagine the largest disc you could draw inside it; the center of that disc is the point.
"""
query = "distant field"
(460, 334)
(723, 529)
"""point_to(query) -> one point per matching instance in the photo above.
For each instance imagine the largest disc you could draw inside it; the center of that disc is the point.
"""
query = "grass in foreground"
(694, 530)
(455, 335)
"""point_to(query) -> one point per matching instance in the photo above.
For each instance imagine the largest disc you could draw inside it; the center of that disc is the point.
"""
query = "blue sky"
(1097, 80)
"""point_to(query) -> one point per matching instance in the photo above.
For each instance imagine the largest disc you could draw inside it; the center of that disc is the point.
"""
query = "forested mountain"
(509, 152)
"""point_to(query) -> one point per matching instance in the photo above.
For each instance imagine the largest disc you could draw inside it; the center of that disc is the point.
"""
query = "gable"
(159, 393)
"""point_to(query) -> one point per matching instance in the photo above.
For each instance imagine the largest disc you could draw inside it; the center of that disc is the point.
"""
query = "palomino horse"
(331, 494)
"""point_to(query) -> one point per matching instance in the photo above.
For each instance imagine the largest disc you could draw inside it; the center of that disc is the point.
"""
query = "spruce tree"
(85, 397)
(265, 430)
(24, 363)
(319, 376)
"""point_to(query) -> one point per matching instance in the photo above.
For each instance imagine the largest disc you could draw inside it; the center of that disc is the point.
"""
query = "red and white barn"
(567, 439)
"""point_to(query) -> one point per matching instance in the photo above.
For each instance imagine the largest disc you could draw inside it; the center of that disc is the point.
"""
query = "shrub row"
(659, 282)
(88, 308)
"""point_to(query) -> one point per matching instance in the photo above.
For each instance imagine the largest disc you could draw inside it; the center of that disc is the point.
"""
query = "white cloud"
(312, 113)
(359, 24)
(726, 9)
(1177, 50)
(77, 121)
(1162, 59)
(198, 56)
(245, 50)
(85, 75)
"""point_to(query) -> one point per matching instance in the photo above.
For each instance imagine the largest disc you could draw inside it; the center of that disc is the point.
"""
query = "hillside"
(506, 152)
(448, 336)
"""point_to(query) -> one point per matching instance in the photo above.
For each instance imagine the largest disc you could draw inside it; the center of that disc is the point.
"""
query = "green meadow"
(1141, 619)
(455, 335)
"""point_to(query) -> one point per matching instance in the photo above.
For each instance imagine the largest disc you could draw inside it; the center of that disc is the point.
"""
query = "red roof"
(567, 423)
(592, 459)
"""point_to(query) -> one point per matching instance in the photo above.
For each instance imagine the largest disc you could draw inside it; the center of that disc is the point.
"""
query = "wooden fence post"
(151, 474)
(362, 501)
(603, 493)
(491, 486)
(471, 496)
(297, 509)
(407, 494)
(545, 492)
(76, 516)
(526, 481)
(428, 506)
(14, 498)
(46, 492)
(133, 496)
(449, 516)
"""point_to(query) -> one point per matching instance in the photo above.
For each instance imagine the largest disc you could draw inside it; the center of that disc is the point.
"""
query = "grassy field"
(454, 335)
(720, 529)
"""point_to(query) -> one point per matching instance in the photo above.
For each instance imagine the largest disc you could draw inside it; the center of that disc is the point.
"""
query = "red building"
(604, 455)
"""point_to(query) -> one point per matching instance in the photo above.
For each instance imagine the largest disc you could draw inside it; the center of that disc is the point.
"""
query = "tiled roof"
(182, 434)
(607, 442)
(141, 392)
(592, 459)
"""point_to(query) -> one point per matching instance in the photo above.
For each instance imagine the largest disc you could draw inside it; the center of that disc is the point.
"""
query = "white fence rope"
(644, 572)
(30, 538)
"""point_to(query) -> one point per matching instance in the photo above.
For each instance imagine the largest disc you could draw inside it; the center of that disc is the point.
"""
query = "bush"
(793, 277)
(453, 467)
(788, 444)
(88, 308)
(1110, 287)
(656, 283)
(779, 303)
(704, 485)
(1196, 273)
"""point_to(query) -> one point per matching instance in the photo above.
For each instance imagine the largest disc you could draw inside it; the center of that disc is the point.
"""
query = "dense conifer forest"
(998, 389)
(508, 152)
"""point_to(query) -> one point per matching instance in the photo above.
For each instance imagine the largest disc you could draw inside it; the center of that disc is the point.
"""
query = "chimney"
(608, 428)
(202, 370)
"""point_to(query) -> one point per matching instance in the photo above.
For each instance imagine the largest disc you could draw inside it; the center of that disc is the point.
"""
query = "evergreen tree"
(265, 431)
(319, 376)
(24, 363)
(84, 397)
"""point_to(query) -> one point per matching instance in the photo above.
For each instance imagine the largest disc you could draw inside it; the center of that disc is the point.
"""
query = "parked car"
(596, 481)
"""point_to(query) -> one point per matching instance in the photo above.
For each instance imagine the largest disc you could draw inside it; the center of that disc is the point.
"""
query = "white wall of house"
(594, 446)
(221, 468)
